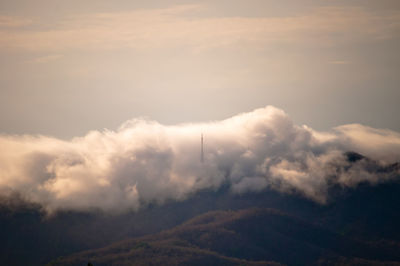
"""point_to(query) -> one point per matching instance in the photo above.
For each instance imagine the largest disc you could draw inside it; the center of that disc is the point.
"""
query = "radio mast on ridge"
(202, 149)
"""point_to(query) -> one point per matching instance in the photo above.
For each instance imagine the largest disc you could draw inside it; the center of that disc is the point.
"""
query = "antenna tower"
(202, 149)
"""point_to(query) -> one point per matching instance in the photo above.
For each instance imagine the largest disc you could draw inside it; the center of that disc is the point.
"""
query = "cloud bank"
(145, 162)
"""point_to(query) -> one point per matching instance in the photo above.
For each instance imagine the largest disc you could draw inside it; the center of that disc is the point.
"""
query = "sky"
(102, 103)
(68, 67)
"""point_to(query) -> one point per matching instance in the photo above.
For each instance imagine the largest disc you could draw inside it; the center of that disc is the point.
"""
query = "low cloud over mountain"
(145, 162)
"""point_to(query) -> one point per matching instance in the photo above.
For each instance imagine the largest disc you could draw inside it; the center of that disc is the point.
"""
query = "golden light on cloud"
(146, 162)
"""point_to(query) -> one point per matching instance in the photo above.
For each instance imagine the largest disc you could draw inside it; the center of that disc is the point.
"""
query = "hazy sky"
(67, 67)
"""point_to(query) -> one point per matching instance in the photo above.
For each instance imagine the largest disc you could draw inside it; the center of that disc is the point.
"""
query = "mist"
(144, 162)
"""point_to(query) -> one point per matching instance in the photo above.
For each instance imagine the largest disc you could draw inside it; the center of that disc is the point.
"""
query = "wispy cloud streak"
(172, 27)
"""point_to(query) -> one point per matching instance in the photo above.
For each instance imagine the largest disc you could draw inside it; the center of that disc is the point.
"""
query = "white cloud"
(144, 161)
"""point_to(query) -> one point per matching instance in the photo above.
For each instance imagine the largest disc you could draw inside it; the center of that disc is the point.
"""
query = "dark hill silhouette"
(235, 237)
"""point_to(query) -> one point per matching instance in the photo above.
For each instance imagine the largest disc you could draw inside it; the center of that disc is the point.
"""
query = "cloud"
(46, 59)
(145, 162)
(14, 22)
(189, 26)
(340, 62)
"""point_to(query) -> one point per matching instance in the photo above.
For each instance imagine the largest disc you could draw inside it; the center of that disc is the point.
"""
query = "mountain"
(366, 216)
(247, 237)
(30, 237)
